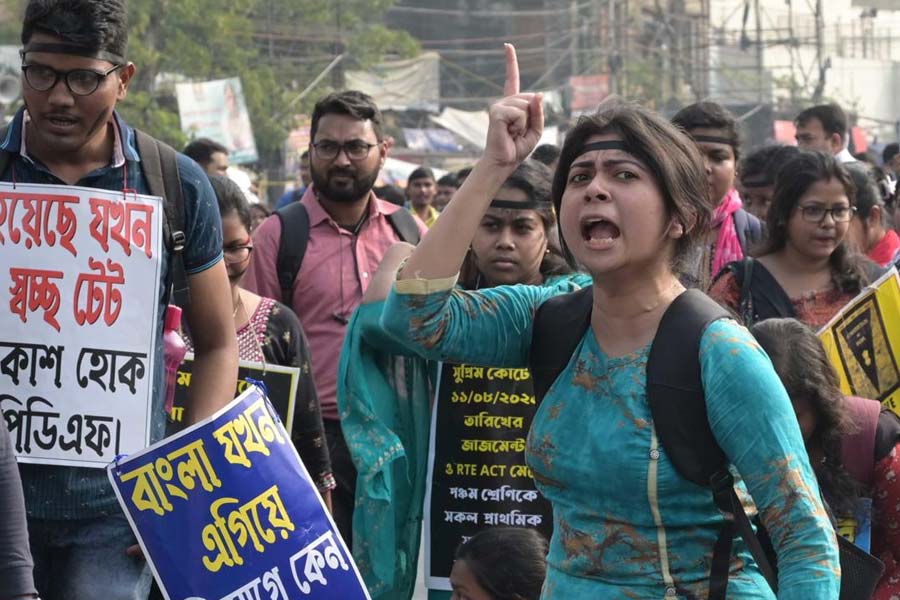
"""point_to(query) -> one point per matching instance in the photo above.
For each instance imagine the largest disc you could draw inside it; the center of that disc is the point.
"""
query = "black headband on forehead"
(73, 49)
(604, 145)
(517, 205)
(712, 139)
(755, 183)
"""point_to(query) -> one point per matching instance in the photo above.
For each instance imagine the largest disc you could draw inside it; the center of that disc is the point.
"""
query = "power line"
(481, 13)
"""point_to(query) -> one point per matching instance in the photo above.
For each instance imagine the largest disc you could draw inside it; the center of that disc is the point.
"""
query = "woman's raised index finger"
(511, 87)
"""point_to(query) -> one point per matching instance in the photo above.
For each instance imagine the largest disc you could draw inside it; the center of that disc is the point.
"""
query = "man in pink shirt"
(349, 232)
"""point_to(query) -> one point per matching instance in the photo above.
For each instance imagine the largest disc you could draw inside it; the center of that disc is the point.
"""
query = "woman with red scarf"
(734, 231)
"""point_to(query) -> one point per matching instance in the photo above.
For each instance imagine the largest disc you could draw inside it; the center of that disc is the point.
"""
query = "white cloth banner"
(217, 110)
(82, 278)
(411, 84)
(472, 126)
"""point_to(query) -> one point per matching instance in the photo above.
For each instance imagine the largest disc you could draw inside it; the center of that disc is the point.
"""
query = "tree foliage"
(276, 47)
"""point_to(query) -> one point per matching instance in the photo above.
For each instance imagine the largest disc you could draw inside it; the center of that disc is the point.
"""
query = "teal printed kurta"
(627, 525)
(384, 398)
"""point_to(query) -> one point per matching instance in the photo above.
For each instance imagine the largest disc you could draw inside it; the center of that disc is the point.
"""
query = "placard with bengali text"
(225, 510)
(477, 476)
(81, 288)
(281, 384)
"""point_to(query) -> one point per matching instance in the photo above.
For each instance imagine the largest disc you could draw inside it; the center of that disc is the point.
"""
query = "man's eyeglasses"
(237, 254)
(815, 214)
(355, 150)
(81, 82)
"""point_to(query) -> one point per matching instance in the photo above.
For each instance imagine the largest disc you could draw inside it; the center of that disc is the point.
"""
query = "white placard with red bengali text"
(81, 278)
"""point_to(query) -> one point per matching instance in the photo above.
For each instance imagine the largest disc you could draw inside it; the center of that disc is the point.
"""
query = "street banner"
(81, 270)
(281, 384)
(477, 477)
(217, 110)
(863, 339)
(225, 510)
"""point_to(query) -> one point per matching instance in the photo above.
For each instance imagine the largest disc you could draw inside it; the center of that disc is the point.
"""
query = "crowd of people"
(576, 262)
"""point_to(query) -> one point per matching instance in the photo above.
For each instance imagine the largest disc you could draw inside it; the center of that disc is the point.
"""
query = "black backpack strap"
(405, 226)
(745, 278)
(294, 220)
(5, 157)
(558, 327)
(678, 405)
(159, 163)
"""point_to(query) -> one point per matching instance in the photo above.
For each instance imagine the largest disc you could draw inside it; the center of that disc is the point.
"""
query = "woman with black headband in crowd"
(631, 197)
(733, 231)
(385, 391)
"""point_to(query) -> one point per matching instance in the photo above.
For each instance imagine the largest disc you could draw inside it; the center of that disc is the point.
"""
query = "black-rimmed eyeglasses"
(81, 82)
(355, 150)
(815, 214)
(236, 254)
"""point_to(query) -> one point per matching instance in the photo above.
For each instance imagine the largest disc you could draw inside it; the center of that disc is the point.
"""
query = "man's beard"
(362, 184)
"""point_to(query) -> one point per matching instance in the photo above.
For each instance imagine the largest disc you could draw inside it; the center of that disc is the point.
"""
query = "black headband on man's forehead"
(712, 139)
(74, 49)
(517, 205)
(604, 145)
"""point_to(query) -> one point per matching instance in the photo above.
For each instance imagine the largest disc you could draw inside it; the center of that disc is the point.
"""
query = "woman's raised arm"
(516, 125)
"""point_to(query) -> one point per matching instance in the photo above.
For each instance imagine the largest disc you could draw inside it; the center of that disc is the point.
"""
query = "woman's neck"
(795, 263)
(627, 311)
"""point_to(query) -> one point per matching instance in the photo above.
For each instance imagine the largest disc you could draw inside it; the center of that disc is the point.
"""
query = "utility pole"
(337, 73)
(576, 37)
(820, 54)
(614, 52)
(759, 54)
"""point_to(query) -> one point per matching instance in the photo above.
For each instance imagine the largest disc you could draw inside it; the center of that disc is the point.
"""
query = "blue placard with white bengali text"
(225, 510)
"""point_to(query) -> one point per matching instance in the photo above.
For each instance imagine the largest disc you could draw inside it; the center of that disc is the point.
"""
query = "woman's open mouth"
(599, 233)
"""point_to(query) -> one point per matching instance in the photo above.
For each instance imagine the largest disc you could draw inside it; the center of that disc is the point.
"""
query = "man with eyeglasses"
(74, 73)
(349, 232)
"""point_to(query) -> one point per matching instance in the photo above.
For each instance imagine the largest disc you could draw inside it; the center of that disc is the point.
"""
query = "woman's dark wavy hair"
(794, 179)
(806, 372)
(509, 563)
(668, 154)
(533, 179)
(231, 199)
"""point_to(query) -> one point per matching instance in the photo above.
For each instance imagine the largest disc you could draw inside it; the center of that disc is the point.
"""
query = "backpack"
(675, 395)
(762, 297)
(159, 165)
(749, 229)
(294, 220)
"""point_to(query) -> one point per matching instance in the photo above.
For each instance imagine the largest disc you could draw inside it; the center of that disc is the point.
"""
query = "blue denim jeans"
(85, 560)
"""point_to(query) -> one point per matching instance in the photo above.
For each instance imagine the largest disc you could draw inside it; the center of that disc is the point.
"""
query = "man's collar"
(317, 213)
(123, 142)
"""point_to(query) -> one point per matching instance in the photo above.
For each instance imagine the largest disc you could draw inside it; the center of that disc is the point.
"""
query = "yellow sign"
(863, 340)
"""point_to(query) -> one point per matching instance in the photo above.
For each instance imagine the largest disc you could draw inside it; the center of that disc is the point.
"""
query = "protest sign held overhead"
(477, 477)
(77, 344)
(862, 341)
(281, 384)
(226, 509)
